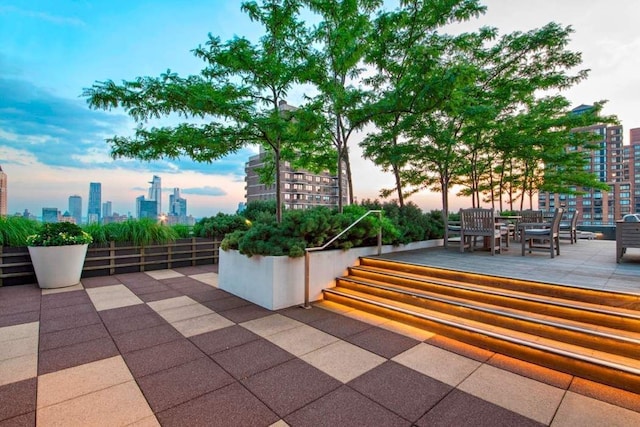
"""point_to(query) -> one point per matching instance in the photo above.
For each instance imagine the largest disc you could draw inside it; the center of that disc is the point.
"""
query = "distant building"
(115, 217)
(146, 208)
(155, 193)
(613, 163)
(177, 204)
(301, 189)
(28, 215)
(106, 209)
(75, 208)
(3, 193)
(50, 215)
(67, 217)
(95, 202)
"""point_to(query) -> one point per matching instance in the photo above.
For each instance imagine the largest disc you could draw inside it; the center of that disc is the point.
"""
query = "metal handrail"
(319, 248)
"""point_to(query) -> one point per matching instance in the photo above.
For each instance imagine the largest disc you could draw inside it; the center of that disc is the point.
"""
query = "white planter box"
(58, 266)
(276, 282)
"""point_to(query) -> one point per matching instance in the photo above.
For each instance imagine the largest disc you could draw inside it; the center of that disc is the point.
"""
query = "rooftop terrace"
(168, 348)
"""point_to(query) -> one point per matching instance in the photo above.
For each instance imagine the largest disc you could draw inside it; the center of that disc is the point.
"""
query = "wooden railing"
(116, 258)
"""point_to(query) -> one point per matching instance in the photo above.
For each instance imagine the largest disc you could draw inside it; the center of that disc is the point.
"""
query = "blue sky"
(52, 145)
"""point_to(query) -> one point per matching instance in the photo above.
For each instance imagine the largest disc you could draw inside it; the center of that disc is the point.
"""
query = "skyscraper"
(146, 208)
(75, 208)
(155, 193)
(95, 202)
(177, 204)
(107, 209)
(50, 215)
(3, 193)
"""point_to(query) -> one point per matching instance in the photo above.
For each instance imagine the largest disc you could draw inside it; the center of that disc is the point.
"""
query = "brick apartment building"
(614, 163)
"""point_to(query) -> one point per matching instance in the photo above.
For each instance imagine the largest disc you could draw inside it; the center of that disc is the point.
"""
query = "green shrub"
(220, 225)
(59, 234)
(182, 231)
(139, 232)
(14, 230)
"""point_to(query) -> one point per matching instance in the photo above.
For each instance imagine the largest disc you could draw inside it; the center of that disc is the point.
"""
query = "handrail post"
(380, 233)
(307, 279)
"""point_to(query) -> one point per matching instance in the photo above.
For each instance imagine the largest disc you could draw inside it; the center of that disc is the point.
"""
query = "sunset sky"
(52, 145)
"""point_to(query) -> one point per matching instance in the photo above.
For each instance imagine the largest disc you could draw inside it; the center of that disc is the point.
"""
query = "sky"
(52, 145)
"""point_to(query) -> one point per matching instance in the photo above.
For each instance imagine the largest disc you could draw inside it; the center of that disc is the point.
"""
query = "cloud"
(54, 19)
(204, 191)
(62, 132)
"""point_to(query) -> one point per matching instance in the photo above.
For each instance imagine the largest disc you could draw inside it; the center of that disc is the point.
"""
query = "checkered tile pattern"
(170, 348)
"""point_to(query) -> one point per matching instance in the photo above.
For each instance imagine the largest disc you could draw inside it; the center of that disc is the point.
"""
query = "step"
(613, 369)
(616, 341)
(585, 312)
(573, 293)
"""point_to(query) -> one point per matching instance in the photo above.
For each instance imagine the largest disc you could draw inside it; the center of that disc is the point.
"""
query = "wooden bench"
(479, 223)
(627, 236)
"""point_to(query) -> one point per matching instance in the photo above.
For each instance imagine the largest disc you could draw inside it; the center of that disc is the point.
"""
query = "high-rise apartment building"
(75, 208)
(301, 189)
(95, 202)
(146, 208)
(177, 204)
(3, 193)
(107, 209)
(613, 163)
(155, 193)
(50, 215)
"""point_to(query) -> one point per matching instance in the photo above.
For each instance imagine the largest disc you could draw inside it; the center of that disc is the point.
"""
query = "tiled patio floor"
(169, 348)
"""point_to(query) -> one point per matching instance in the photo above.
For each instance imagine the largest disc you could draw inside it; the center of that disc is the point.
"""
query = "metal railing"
(307, 251)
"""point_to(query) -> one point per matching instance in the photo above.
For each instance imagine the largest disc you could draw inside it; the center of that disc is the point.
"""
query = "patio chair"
(526, 216)
(476, 223)
(542, 236)
(568, 225)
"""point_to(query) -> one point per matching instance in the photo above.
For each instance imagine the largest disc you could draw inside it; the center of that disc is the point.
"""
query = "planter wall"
(115, 258)
(278, 282)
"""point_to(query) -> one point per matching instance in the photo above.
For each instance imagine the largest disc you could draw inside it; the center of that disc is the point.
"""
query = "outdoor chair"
(476, 223)
(526, 216)
(568, 225)
(542, 236)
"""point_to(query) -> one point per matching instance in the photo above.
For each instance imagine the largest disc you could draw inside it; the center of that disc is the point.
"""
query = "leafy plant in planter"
(59, 234)
(57, 253)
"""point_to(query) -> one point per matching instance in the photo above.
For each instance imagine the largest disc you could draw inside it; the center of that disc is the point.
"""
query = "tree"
(404, 47)
(342, 35)
(239, 95)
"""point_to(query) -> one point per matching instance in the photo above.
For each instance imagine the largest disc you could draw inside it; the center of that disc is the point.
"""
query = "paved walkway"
(169, 348)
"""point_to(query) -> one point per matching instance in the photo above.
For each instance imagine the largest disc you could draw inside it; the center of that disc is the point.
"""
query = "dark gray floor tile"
(125, 312)
(19, 318)
(20, 306)
(153, 287)
(72, 336)
(245, 313)
(249, 359)
(462, 409)
(76, 354)
(223, 339)
(144, 338)
(341, 326)
(313, 314)
(189, 271)
(404, 391)
(134, 323)
(18, 398)
(69, 322)
(227, 303)
(160, 357)
(344, 407)
(288, 387)
(64, 299)
(25, 420)
(232, 405)
(71, 310)
(179, 384)
(382, 342)
(159, 295)
(210, 294)
(97, 282)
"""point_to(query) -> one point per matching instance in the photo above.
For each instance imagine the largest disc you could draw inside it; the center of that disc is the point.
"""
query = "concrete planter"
(276, 282)
(58, 266)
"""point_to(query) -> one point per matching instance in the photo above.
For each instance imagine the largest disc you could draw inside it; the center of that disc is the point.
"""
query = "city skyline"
(52, 145)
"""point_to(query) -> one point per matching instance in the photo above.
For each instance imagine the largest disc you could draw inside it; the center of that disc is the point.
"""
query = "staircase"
(587, 333)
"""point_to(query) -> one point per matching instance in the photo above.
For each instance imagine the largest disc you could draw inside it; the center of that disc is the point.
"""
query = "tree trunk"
(396, 175)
